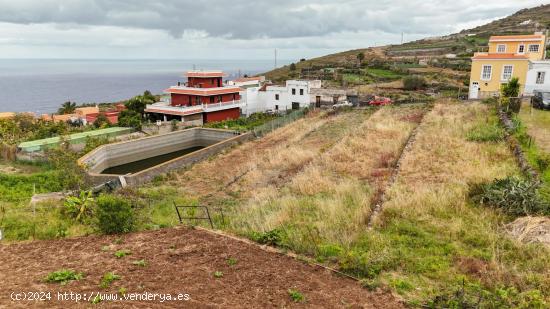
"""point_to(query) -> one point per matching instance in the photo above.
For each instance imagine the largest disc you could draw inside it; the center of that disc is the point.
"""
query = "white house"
(538, 76)
(245, 82)
(271, 98)
(295, 94)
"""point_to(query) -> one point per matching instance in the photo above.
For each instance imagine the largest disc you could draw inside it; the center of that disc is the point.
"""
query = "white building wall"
(269, 97)
(534, 68)
(298, 92)
(266, 101)
(254, 104)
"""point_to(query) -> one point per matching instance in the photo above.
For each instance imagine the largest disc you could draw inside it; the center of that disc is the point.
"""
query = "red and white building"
(203, 98)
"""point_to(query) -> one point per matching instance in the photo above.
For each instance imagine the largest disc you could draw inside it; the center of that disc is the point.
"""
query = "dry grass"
(328, 199)
(432, 226)
(538, 125)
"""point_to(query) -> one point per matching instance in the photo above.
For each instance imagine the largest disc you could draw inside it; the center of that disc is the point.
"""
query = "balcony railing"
(164, 107)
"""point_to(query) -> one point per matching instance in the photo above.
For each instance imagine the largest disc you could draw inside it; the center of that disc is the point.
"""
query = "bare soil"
(179, 260)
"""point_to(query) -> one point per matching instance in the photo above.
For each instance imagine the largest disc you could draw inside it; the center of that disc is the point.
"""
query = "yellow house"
(508, 56)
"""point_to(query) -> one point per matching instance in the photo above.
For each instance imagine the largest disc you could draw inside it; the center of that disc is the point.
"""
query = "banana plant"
(79, 206)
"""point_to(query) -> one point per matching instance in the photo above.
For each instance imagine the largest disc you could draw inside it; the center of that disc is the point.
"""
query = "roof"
(86, 110)
(174, 112)
(499, 56)
(203, 91)
(205, 74)
(36, 144)
(507, 38)
(247, 79)
(7, 115)
(64, 117)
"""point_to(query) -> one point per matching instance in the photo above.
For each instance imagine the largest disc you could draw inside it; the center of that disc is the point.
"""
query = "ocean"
(41, 85)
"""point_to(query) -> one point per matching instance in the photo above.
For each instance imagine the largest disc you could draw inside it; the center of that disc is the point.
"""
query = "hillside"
(433, 50)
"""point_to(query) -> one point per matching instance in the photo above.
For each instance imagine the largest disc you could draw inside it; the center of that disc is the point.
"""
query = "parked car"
(380, 101)
(541, 99)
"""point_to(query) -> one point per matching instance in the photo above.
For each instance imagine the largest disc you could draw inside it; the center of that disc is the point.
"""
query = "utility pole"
(275, 58)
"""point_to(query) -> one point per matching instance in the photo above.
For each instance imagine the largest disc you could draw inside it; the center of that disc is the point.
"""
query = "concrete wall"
(189, 159)
(116, 154)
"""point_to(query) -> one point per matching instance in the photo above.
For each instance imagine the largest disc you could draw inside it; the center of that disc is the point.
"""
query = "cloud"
(243, 19)
(221, 29)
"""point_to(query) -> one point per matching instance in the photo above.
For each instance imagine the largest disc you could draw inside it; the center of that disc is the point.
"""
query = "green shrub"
(543, 161)
(489, 101)
(486, 133)
(107, 279)
(271, 238)
(114, 215)
(470, 295)
(296, 296)
(414, 82)
(141, 263)
(231, 261)
(513, 195)
(63, 276)
(122, 253)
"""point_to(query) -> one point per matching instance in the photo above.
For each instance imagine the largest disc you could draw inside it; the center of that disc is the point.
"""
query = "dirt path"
(178, 260)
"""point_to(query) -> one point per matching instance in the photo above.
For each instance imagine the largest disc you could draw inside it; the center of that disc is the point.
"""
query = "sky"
(229, 29)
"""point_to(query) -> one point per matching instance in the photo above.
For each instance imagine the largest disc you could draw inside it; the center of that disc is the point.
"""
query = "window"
(507, 72)
(486, 72)
(501, 48)
(277, 97)
(301, 91)
(521, 49)
(276, 107)
(540, 78)
(293, 91)
(534, 48)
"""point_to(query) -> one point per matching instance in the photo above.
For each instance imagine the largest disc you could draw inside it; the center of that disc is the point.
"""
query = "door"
(295, 105)
(318, 101)
(474, 91)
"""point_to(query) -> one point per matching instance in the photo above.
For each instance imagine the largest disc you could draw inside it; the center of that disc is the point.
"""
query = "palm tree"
(511, 89)
(67, 108)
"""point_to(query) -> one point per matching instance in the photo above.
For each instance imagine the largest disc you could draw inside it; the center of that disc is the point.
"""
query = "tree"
(130, 118)
(101, 121)
(511, 88)
(293, 67)
(509, 95)
(67, 108)
(360, 58)
(414, 82)
(138, 103)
